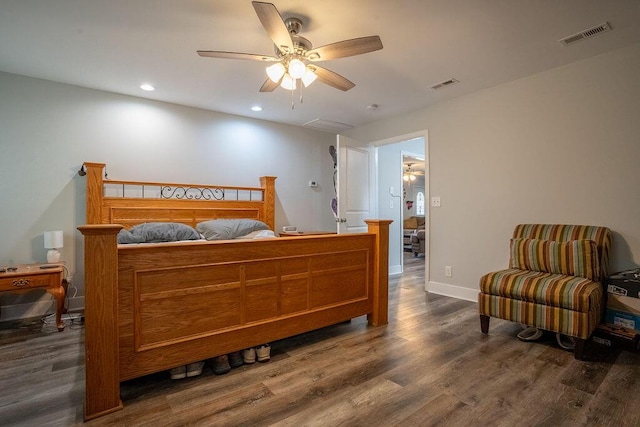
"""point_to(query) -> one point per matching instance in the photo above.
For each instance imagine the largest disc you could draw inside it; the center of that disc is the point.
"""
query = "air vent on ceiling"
(327, 125)
(445, 83)
(585, 34)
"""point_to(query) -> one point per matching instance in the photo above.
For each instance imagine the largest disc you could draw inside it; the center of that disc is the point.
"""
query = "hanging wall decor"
(334, 200)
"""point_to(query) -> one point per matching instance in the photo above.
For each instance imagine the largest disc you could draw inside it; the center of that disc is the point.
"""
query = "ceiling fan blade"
(269, 85)
(332, 79)
(274, 25)
(345, 48)
(236, 55)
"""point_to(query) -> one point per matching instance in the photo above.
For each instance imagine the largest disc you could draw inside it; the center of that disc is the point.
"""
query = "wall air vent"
(327, 125)
(445, 83)
(585, 34)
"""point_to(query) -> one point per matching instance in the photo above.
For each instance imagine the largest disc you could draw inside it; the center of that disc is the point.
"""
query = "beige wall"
(48, 129)
(561, 146)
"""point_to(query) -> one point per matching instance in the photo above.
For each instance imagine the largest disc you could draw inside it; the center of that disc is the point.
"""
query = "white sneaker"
(263, 352)
(195, 369)
(566, 342)
(530, 334)
(178, 373)
(249, 356)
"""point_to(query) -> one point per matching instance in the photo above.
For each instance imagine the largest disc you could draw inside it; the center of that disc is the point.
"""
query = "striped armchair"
(553, 281)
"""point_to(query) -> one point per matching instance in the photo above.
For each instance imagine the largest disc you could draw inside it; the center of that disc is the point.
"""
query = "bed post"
(380, 314)
(94, 192)
(268, 183)
(102, 384)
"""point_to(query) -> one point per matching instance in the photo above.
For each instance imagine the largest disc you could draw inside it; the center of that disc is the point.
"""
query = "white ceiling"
(114, 45)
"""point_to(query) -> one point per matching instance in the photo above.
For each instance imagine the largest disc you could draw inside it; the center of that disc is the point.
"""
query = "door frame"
(427, 185)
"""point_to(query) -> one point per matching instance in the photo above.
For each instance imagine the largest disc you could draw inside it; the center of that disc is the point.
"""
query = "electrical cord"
(49, 319)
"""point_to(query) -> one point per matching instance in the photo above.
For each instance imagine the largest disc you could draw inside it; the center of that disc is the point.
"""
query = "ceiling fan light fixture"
(275, 72)
(309, 77)
(409, 175)
(288, 82)
(297, 68)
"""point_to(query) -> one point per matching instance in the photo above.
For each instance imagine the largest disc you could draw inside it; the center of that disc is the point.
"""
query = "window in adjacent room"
(420, 203)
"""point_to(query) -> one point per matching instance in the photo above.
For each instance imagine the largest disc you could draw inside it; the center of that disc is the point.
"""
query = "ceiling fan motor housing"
(294, 25)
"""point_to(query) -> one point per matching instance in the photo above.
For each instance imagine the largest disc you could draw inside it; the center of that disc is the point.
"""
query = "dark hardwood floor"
(429, 366)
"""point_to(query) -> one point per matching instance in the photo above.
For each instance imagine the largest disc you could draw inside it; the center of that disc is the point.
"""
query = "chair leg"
(484, 323)
(579, 348)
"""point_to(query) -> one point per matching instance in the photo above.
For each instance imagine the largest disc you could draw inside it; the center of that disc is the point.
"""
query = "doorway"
(391, 197)
(413, 205)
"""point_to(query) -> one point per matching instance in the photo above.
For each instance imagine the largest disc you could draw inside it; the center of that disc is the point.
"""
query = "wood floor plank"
(616, 399)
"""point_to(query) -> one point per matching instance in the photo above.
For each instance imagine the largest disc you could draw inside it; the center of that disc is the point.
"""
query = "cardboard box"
(623, 319)
(624, 283)
(622, 303)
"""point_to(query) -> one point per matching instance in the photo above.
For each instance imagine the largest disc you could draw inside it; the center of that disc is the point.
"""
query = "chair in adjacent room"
(554, 280)
(418, 241)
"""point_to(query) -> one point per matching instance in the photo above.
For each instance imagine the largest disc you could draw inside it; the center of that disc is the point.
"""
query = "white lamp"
(288, 82)
(296, 68)
(53, 242)
(309, 77)
(275, 72)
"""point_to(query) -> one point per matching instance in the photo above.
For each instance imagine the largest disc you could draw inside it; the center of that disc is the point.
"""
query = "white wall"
(562, 146)
(48, 129)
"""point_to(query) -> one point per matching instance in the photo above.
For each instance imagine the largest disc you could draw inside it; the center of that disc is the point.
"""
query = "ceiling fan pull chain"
(301, 89)
(292, 101)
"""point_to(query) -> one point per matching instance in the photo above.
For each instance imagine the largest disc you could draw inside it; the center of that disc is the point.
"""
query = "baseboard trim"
(38, 309)
(452, 291)
(395, 270)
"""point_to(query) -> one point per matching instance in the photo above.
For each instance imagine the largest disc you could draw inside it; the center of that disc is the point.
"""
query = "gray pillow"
(154, 232)
(226, 229)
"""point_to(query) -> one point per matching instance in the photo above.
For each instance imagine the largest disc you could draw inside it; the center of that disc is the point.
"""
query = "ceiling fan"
(295, 58)
(410, 173)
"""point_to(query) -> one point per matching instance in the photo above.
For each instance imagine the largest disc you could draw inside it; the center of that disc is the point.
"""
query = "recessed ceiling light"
(147, 87)
(256, 108)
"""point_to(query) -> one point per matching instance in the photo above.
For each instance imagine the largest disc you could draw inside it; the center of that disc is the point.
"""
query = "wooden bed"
(152, 307)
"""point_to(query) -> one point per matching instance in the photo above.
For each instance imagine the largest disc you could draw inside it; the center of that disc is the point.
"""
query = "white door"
(355, 186)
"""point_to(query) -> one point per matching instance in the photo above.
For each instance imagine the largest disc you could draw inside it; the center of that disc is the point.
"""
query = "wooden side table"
(28, 277)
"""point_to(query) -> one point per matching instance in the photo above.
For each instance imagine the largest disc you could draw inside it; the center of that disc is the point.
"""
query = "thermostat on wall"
(313, 184)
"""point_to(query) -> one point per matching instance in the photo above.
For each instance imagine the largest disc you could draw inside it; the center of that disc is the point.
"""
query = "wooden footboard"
(154, 307)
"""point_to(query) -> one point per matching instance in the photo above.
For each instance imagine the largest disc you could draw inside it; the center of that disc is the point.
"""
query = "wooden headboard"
(133, 202)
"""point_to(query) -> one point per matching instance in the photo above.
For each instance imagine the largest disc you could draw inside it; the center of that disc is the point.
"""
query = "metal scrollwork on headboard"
(193, 193)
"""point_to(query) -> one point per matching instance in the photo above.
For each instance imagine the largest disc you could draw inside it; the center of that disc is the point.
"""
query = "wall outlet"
(435, 201)
(447, 271)
(289, 228)
(313, 184)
